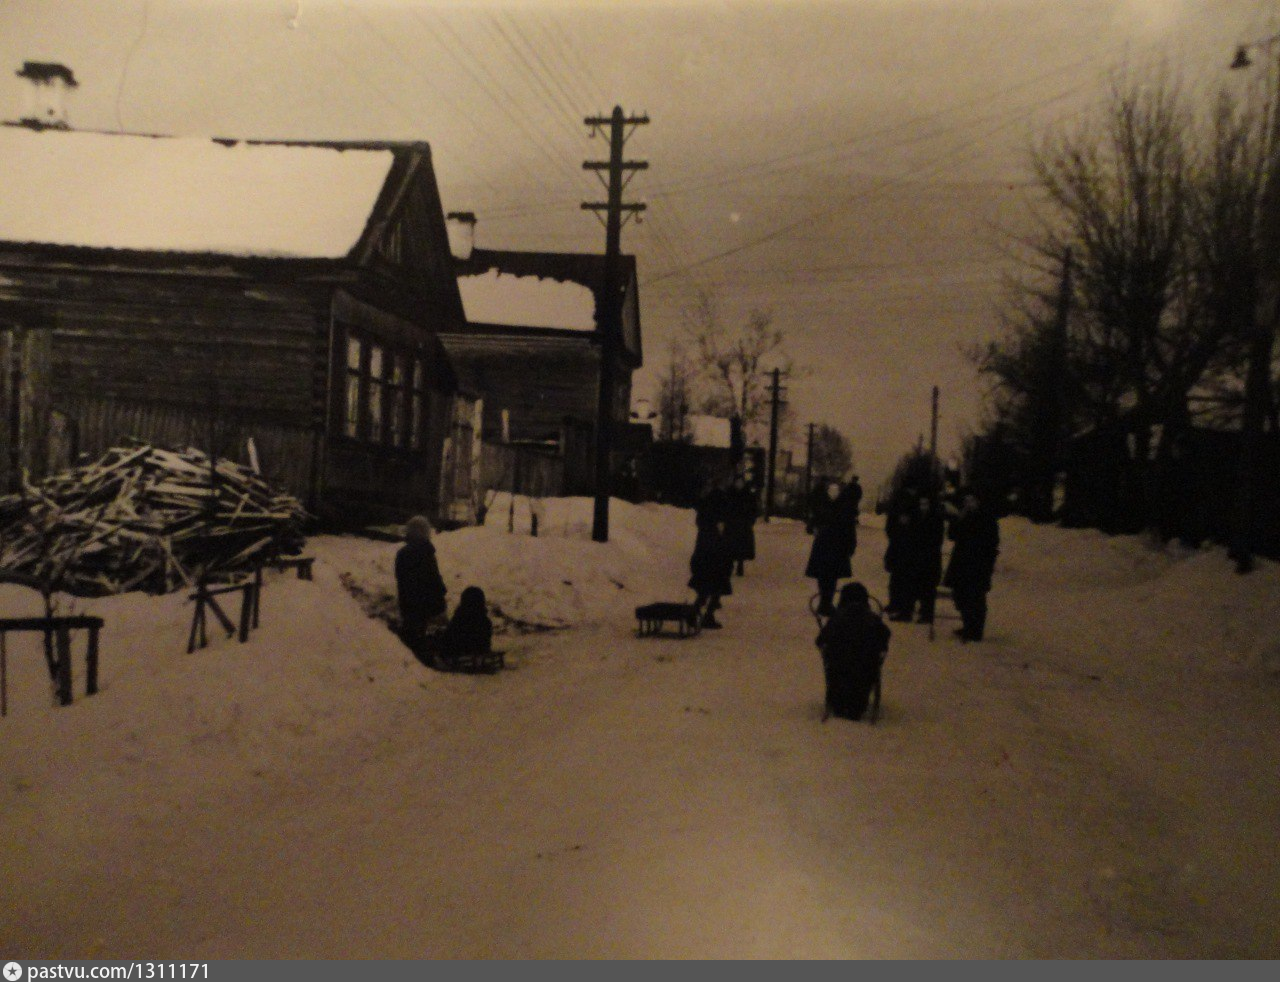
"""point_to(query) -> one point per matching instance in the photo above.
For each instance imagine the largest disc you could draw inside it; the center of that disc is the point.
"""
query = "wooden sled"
(650, 619)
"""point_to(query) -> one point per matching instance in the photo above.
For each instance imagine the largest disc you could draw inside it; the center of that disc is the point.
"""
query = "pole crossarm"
(599, 122)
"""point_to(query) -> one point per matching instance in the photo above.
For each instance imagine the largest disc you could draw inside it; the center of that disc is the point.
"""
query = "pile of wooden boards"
(143, 517)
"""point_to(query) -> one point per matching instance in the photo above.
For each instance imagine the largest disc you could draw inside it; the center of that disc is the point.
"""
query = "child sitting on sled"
(853, 645)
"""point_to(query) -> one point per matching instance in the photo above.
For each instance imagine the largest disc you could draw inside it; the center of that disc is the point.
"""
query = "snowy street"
(1095, 780)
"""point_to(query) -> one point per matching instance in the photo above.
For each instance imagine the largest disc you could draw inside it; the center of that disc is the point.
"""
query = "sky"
(853, 167)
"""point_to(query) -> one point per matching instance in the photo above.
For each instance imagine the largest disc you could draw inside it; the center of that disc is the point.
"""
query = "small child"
(469, 635)
(853, 643)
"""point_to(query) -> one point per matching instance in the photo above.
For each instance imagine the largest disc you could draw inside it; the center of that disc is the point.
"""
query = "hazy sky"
(847, 165)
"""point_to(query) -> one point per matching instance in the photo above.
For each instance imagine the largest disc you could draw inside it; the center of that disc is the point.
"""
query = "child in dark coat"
(419, 587)
(853, 646)
(470, 632)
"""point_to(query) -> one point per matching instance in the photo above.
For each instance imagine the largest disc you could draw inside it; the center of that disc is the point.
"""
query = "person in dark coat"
(711, 565)
(829, 554)
(470, 632)
(853, 644)
(917, 560)
(897, 516)
(420, 589)
(740, 520)
(975, 531)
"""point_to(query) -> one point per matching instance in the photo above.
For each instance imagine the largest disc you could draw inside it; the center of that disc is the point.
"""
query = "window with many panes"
(385, 394)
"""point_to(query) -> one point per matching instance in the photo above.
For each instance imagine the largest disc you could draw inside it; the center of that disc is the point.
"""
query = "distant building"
(531, 349)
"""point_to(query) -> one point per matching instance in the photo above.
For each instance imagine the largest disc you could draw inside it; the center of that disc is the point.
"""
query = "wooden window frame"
(403, 403)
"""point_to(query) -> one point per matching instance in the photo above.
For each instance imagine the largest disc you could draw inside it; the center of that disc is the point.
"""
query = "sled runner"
(470, 662)
(651, 617)
(473, 663)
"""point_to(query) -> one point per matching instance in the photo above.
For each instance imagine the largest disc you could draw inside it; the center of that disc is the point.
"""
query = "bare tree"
(676, 395)
(1158, 212)
(734, 364)
(832, 453)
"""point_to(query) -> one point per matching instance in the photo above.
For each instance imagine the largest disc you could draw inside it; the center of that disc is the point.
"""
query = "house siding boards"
(540, 381)
(201, 348)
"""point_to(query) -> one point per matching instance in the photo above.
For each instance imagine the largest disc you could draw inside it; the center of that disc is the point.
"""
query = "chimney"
(461, 226)
(47, 94)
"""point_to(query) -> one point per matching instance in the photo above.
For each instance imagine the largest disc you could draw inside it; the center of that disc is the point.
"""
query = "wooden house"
(275, 301)
(532, 347)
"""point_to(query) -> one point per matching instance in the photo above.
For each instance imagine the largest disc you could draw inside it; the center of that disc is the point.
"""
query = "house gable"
(406, 237)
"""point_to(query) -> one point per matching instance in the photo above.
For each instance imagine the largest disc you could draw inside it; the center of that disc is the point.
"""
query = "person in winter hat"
(420, 589)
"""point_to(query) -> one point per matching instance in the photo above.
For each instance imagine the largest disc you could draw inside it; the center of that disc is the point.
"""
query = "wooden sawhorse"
(57, 647)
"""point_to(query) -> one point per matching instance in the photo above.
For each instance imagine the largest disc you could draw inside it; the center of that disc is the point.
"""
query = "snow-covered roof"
(494, 297)
(186, 195)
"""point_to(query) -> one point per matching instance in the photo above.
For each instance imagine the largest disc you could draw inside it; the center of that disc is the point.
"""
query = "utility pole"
(610, 327)
(775, 402)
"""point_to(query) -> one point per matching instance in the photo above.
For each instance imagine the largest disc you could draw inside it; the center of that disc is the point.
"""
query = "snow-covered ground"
(1097, 779)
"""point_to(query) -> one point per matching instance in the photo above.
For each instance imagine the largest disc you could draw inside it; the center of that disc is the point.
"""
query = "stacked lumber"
(143, 517)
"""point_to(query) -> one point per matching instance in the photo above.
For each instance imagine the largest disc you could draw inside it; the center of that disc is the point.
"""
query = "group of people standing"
(916, 523)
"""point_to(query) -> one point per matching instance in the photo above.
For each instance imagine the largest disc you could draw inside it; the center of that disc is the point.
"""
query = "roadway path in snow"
(616, 796)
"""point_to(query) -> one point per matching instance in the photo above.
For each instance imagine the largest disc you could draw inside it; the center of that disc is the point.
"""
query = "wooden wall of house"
(284, 455)
(168, 356)
(539, 386)
(244, 351)
(24, 404)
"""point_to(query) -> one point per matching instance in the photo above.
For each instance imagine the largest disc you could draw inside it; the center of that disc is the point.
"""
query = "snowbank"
(559, 579)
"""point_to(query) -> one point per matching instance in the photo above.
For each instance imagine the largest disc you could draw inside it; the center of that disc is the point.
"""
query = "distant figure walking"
(711, 565)
(740, 520)
(470, 632)
(853, 644)
(975, 530)
(831, 549)
(420, 589)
